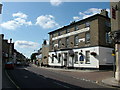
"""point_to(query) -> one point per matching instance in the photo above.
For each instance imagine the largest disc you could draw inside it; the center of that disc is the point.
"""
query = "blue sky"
(28, 23)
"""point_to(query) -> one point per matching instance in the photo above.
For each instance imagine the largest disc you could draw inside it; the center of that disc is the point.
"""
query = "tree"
(33, 56)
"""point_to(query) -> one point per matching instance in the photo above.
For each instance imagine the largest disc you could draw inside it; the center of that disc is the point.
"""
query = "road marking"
(12, 80)
(26, 68)
(61, 85)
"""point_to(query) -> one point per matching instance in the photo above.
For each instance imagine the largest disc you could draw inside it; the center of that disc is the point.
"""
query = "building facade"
(82, 44)
(115, 28)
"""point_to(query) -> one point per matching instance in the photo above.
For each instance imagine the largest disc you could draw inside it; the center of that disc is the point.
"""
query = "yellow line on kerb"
(12, 80)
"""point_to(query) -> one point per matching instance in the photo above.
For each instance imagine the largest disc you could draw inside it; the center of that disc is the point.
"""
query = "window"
(87, 37)
(108, 39)
(87, 57)
(52, 58)
(87, 24)
(67, 30)
(52, 44)
(59, 56)
(108, 24)
(76, 40)
(76, 57)
(59, 33)
(67, 42)
(53, 35)
(113, 13)
(76, 27)
(59, 43)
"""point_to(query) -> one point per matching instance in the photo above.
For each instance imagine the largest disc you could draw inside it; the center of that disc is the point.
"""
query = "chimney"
(104, 12)
(2, 36)
(0, 8)
(11, 40)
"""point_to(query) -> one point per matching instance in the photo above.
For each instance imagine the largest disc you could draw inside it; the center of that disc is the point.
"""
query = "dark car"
(9, 65)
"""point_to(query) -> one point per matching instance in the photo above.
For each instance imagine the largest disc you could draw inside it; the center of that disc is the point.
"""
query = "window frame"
(87, 24)
(76, 58)
(87, 61)
(59, 43)
(52, 58)
(67, 42)
(86, 41)
(76, 42)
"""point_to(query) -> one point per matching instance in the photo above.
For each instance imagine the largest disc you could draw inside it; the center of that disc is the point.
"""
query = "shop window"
(87, 57)
(59, 56)
(52, 58)
(76, 57)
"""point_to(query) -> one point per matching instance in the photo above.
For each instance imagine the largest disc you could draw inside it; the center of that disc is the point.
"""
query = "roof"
(94, 16)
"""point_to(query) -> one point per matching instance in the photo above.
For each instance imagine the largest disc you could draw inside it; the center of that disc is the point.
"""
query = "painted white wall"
(94, 61)
(106, 56)
(103, 57)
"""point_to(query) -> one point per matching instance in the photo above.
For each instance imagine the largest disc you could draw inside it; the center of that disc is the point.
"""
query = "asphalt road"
(36, 78)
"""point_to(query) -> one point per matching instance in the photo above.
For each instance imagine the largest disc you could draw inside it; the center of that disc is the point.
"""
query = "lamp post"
(116, 40)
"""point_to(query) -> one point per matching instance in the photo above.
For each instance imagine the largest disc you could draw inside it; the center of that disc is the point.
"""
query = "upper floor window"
(87, 24)
(59, 43)
(76, 40)
(87, 37)
(52, 44)
(76, 27)
(67, 30)
(59, 33)
(67, 42)
(108, 24)
(108, 39)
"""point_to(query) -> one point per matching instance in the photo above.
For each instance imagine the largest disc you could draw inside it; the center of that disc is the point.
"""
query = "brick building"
(82, 44)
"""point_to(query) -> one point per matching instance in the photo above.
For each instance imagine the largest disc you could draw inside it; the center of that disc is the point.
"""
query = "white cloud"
(76, 18)
(90, 12)
(20, 15)
(55, 2)
(11, 25)
(18, 21)
(26, 44)
(46, 22)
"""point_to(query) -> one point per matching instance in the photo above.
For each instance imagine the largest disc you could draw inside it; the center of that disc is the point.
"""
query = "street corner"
(111, 82)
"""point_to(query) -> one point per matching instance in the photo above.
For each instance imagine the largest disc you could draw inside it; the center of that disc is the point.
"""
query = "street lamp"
(115, 35)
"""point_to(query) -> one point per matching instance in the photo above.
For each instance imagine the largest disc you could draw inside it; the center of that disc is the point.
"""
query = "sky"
(28, 23)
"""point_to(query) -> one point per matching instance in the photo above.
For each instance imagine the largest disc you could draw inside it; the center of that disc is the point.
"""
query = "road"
(36, 78)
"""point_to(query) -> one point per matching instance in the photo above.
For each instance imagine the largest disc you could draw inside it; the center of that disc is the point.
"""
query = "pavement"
(96, 76)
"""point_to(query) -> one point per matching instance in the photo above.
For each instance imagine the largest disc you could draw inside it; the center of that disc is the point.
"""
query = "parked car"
(18, 63)
(9, 65)
(27, 64)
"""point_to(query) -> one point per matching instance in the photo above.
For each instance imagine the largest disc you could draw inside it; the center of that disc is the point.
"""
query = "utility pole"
(115, 33)
(0, 53)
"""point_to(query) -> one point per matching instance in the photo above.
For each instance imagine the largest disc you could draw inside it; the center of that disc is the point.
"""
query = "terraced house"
(82, 44)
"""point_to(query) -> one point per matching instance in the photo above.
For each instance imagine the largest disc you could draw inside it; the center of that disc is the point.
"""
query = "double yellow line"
(12, 81)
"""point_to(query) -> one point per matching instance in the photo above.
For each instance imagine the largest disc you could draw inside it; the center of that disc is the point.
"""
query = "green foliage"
(33, 56)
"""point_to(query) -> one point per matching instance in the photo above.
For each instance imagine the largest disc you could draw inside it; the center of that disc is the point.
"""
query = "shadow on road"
(31, 81)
